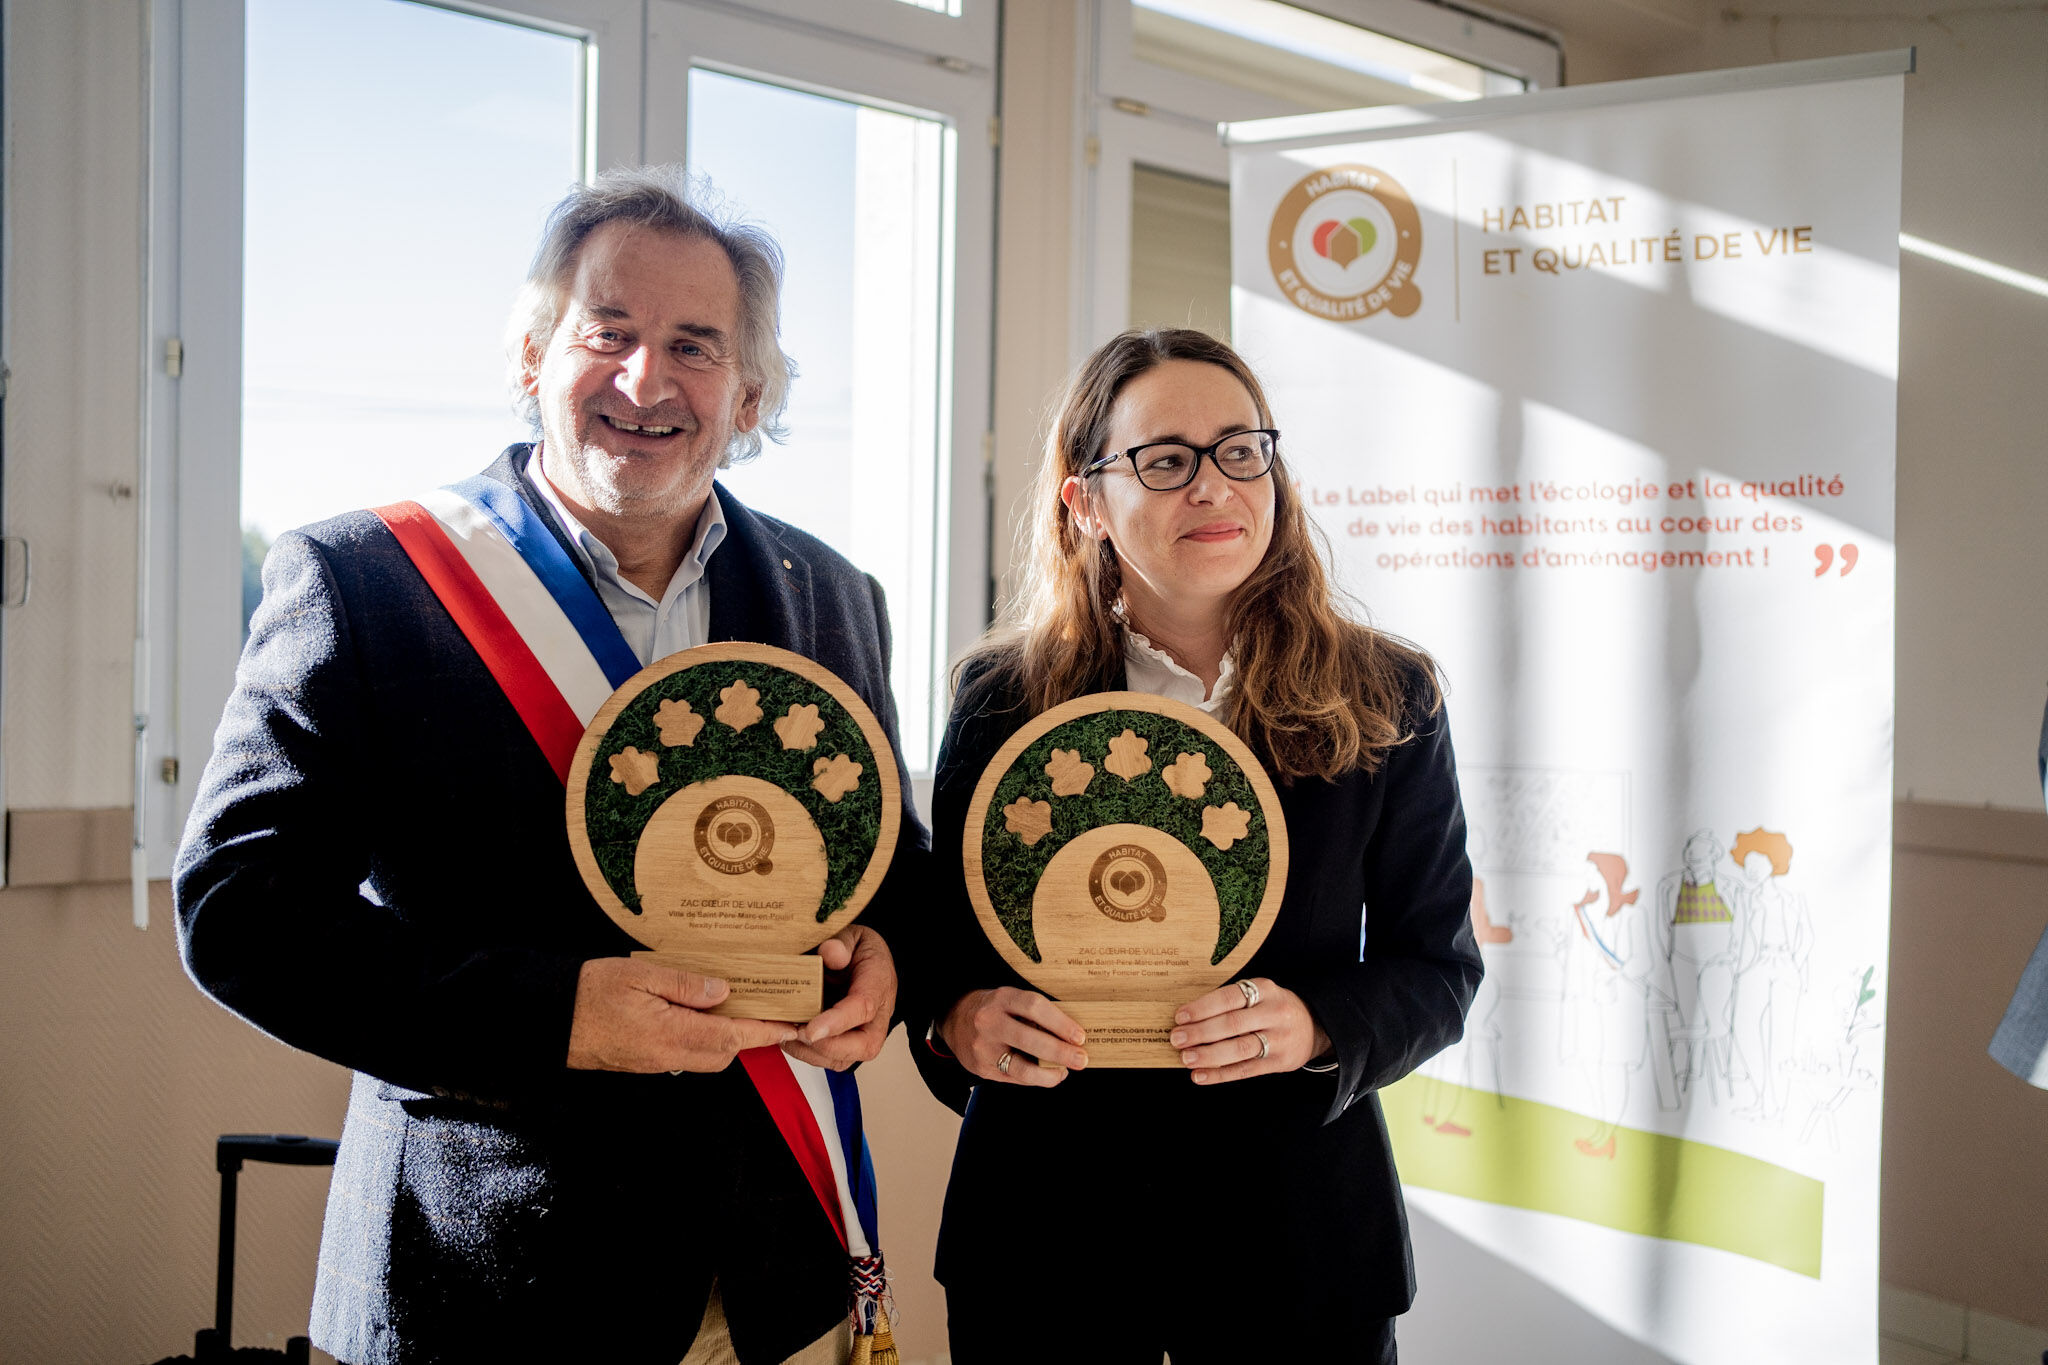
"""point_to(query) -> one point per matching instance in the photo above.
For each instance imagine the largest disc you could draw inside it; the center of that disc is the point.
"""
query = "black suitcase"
(210, 1346)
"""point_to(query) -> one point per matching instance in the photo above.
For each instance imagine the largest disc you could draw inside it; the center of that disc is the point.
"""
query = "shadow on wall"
(1525, 1321)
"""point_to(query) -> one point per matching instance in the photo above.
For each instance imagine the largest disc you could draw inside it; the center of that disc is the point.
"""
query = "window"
(415, 151)
(1180, 251)
(1166, 72)
(347, 195)
(1300, 57)
(856, 195)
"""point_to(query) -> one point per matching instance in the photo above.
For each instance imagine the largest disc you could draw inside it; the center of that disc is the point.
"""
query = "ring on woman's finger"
(1265, 1047)
(1003, 1063)
(1251, 992)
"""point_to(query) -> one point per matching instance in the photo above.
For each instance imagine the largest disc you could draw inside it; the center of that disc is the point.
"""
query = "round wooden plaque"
(1124, 847)
(733, 799)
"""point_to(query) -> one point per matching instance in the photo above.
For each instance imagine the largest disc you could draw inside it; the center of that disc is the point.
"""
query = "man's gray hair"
(667, 199)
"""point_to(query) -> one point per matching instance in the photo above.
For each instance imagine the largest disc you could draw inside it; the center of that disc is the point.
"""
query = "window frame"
(1441, 28)
(191, 632)
(1132, 112)
(920, 34)
(815, 57)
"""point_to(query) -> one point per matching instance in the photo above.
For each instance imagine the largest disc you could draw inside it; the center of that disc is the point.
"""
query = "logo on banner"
(1344, 244)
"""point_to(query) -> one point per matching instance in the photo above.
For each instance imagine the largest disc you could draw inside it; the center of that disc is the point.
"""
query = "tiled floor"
(1996, 1350)
(1892, 1352)
(1917, 1329)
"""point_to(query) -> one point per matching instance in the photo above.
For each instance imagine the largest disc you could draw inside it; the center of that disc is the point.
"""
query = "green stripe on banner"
(1504, 1150)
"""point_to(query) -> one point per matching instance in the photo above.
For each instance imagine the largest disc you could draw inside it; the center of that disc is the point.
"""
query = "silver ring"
(1003, 1063)
(1265, 1048)
(1251, 992)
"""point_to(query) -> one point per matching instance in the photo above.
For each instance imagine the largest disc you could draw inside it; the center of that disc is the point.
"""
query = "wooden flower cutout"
(799, 729)
(1127, 756)
(679, 723)
(1069, 774)
(1027, 819)
(635, 770)
(1224, 825)
(1187, 776)
(836, 776)
(739, 705)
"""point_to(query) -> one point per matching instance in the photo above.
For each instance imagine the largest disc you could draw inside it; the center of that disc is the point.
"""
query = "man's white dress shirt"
(653, 630)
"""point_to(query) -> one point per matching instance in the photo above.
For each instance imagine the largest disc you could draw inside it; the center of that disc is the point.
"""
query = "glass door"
(856, 196)
(351, 193)
(871, 164)
(399, 162)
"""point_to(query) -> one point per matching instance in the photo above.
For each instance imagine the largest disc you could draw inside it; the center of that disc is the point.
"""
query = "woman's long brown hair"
(1317, 693)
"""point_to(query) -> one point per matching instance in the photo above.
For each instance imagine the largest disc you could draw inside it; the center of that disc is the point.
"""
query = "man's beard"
(607, 481)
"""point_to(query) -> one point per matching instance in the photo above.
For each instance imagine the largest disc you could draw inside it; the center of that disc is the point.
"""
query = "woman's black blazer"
(1113, 1171)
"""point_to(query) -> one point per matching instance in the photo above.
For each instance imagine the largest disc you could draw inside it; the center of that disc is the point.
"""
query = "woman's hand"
(855, 1027)
(1220, 1034)
(1015, 1036)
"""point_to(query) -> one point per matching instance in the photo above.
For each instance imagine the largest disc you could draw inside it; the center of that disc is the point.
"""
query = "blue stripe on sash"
(557, 572)
(860, 1170)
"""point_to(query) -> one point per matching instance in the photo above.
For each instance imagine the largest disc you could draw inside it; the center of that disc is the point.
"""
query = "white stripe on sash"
(525, 600)
(817, 1090)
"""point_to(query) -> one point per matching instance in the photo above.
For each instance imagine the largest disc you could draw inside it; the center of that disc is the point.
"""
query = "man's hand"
(639, 1016)
(853, 1029)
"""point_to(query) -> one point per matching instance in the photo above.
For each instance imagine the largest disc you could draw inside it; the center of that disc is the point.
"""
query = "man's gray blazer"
(2021, 1043)
(377, 870)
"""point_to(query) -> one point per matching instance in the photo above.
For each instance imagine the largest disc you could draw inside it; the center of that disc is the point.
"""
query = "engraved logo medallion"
(1128, 883)
(735, 835)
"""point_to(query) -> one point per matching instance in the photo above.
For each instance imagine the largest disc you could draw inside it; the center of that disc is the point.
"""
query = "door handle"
(8, 546)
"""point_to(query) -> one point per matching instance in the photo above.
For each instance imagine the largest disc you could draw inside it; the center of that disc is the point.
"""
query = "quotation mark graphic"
(1826, 555)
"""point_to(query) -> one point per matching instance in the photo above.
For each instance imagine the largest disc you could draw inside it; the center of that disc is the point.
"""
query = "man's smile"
(651, 431)
(643, 428)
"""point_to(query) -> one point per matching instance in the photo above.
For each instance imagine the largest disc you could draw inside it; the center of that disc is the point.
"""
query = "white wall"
(1973, 404)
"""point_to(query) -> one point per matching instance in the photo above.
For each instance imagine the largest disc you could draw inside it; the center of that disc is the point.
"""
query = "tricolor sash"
(552, 646)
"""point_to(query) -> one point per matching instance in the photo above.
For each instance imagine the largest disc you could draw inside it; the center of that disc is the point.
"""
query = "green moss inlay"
(1011, 868)
(851, 827)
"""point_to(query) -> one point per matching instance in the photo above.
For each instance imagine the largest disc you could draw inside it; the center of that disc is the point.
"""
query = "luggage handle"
(284, 1149)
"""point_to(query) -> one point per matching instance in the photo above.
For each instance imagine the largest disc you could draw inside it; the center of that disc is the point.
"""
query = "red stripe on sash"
(769, 1069)
(489, 631)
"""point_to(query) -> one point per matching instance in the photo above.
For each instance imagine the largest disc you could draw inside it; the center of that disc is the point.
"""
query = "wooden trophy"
(1125, 853)
(732, 807)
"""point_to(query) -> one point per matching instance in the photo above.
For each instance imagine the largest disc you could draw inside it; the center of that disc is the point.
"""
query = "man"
(2021, 1043)
(550, 1152)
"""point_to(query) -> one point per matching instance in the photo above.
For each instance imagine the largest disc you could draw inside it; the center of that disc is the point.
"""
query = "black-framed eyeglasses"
(1163, 466)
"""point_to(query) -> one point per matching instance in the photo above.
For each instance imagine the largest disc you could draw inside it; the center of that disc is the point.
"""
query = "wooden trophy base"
(787, 988)
(1126, 1033)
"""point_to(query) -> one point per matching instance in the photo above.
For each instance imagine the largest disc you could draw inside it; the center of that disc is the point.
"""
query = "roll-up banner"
(1594, 393)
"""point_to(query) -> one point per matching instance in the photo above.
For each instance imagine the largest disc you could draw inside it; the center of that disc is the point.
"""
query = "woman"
(1245, 1207)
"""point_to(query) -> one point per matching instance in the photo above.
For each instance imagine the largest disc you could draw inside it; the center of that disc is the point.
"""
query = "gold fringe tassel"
(878, 1347)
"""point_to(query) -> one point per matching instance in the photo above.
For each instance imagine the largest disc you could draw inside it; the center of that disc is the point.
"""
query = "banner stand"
(1594, 391)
